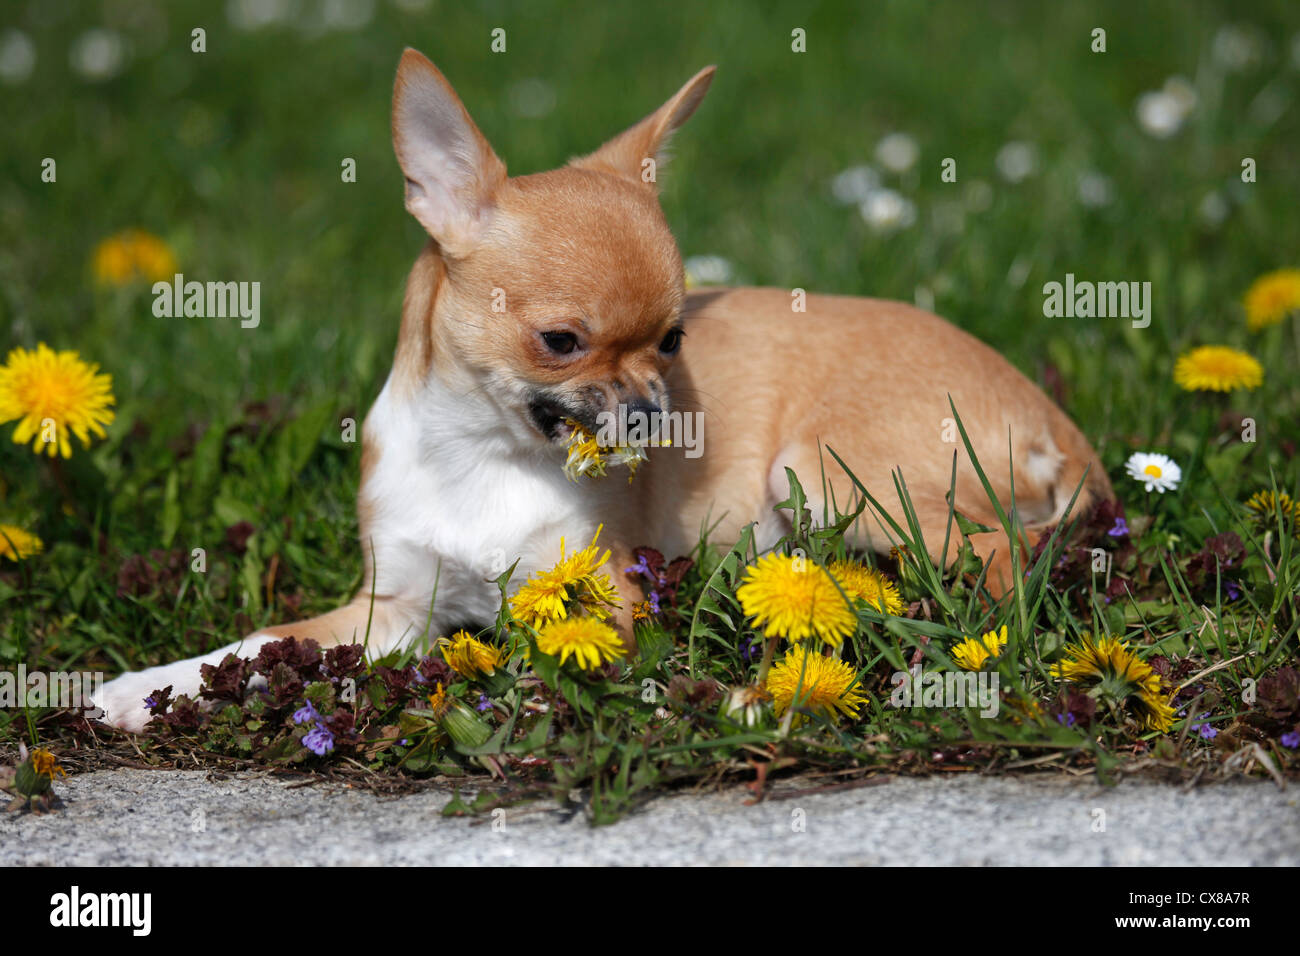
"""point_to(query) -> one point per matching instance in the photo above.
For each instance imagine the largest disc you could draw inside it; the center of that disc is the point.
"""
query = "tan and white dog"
(462, 451)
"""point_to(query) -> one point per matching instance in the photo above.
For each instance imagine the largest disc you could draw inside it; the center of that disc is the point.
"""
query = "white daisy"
(1095, 190)
(17, 57)
(1161, 112)
(1157, 472)
(887, 211)
(1017, 161)
(897, 152)
(855, 184)
(97, 54)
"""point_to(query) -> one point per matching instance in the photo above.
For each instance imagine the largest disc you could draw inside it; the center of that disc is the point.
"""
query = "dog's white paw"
(122, 701)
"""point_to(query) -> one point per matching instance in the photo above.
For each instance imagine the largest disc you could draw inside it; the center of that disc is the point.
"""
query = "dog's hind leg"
(387, 627)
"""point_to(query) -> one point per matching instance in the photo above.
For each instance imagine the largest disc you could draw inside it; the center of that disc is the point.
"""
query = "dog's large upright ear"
(637, 152)
(452, 175)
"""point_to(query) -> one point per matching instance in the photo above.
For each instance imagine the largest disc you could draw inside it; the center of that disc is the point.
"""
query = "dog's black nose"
(642, 407)
(641, 419)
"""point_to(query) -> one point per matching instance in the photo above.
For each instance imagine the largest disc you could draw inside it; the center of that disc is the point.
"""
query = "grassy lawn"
(231, 439)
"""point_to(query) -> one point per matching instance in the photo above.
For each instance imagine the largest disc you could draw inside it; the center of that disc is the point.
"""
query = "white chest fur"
(451, 497)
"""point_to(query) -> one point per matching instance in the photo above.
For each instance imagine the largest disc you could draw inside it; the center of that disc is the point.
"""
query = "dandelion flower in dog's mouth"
(1157, 472)
(53, 395)
(814, 682)
(588, 458)
(588, 640)
(1217, 368)
(795, 599)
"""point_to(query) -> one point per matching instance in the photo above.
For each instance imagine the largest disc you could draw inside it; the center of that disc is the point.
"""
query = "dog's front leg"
(629, 593)
(122, 700)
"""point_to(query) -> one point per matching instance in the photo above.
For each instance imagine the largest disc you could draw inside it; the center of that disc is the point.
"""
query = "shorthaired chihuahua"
(555, 298)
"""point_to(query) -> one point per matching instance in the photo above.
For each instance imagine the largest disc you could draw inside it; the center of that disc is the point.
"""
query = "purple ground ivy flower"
(1120, 530)
(1291, 740)
(483, 703)
(151, 703)
(1233, 591)
(640, 568)
(320, 741)
(1067, 719)
(305, 713)
(1205, 730)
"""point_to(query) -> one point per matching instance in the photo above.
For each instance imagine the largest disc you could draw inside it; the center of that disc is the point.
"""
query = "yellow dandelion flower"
(795, 600)
(17, 544)
(1217, 368)
(1266, 505)
(827, 685)
(586, 456)
(971, 654)
(540, 600)
(545, 596)
(1153, 707)
(438, 702)
(52, 394)
(1115, 671)
(1271, 298)
(587, 640)
(470, 657)
(862, 583)
(45, 764)
(133, 254)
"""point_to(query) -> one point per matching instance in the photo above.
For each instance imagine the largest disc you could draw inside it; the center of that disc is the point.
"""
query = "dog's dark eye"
(672, 342)
(561, 343)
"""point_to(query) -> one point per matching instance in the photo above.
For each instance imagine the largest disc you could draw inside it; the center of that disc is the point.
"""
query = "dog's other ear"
(451, 172)
(635, 153)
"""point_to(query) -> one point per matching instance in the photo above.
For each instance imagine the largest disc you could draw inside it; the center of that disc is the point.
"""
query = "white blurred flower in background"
(887, 211)
(707, 270)
(948, 217)
(1095, 190)
(532, 98)
(97, 54)
(1161, 113)
(978, 195)
(255, 14)
(883, 209)
(897, 152)
(347, 14)
(854, 185)
(1213, 209)
(1237, 48)
(17, 57)
(1017, 161)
